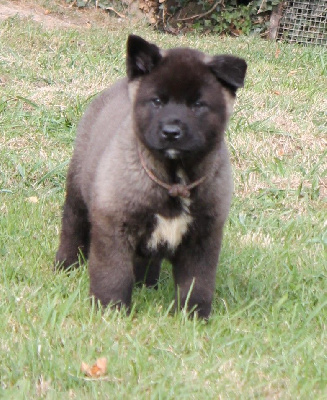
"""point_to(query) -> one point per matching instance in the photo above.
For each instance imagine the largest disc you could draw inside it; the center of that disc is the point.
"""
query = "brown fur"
(173, 107)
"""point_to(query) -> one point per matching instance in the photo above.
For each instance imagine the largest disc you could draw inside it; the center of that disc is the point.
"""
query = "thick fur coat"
(161, 126)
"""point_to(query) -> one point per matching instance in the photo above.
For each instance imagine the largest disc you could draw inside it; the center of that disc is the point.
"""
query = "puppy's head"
(182, 98)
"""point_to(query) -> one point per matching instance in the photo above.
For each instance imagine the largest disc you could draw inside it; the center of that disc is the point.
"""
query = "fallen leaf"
(97, 370)
(277, 92)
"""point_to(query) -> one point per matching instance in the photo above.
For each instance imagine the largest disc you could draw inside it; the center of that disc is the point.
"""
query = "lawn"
(267, 335)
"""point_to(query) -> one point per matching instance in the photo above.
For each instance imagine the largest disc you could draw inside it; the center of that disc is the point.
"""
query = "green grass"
(267, 337)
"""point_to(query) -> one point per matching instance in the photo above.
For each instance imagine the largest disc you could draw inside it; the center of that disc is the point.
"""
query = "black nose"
(171, 132)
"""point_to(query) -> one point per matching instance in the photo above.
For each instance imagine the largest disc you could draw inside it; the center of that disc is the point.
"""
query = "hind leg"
(75, 230)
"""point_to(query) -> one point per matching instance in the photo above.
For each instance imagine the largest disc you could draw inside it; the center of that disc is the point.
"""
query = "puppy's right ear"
(142, 57)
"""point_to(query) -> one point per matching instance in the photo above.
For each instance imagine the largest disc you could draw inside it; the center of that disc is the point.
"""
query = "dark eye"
(156, 102)
(198, 104)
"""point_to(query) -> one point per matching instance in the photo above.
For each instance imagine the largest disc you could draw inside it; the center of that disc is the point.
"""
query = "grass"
(267, 337)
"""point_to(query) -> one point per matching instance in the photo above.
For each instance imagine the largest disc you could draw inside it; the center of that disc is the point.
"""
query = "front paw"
(195, 303)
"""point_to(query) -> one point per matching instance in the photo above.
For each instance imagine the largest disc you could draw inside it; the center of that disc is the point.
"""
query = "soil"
(65, 17)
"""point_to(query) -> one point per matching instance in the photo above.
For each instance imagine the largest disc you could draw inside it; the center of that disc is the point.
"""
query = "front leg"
(194, 267)
(110, 262)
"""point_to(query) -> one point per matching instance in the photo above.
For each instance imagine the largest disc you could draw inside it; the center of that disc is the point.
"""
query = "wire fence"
(304, 22)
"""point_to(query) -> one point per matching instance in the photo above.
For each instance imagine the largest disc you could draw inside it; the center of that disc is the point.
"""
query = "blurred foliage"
(224, 17)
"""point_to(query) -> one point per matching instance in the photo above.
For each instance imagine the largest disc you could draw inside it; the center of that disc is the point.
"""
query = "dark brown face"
(180, 107)
(183, 97)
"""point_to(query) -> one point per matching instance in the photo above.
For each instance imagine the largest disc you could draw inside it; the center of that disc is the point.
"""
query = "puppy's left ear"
(229, 70)
(142, 57)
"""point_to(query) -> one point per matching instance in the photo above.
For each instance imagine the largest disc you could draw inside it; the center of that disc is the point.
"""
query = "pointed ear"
(229, 70)
(142, 56)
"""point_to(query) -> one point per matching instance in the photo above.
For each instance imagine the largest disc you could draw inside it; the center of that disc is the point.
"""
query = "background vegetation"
(231, 17)
(267, 334)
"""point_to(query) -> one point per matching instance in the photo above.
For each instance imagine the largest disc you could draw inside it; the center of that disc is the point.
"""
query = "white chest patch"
(169, 231)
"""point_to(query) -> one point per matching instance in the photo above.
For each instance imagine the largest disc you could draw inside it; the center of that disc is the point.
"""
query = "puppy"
(150, 175)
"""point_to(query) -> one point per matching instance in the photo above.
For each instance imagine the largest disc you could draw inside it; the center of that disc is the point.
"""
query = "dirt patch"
(68, 18)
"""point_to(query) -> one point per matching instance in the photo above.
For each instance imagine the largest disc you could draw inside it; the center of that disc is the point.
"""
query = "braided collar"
(174, 190)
